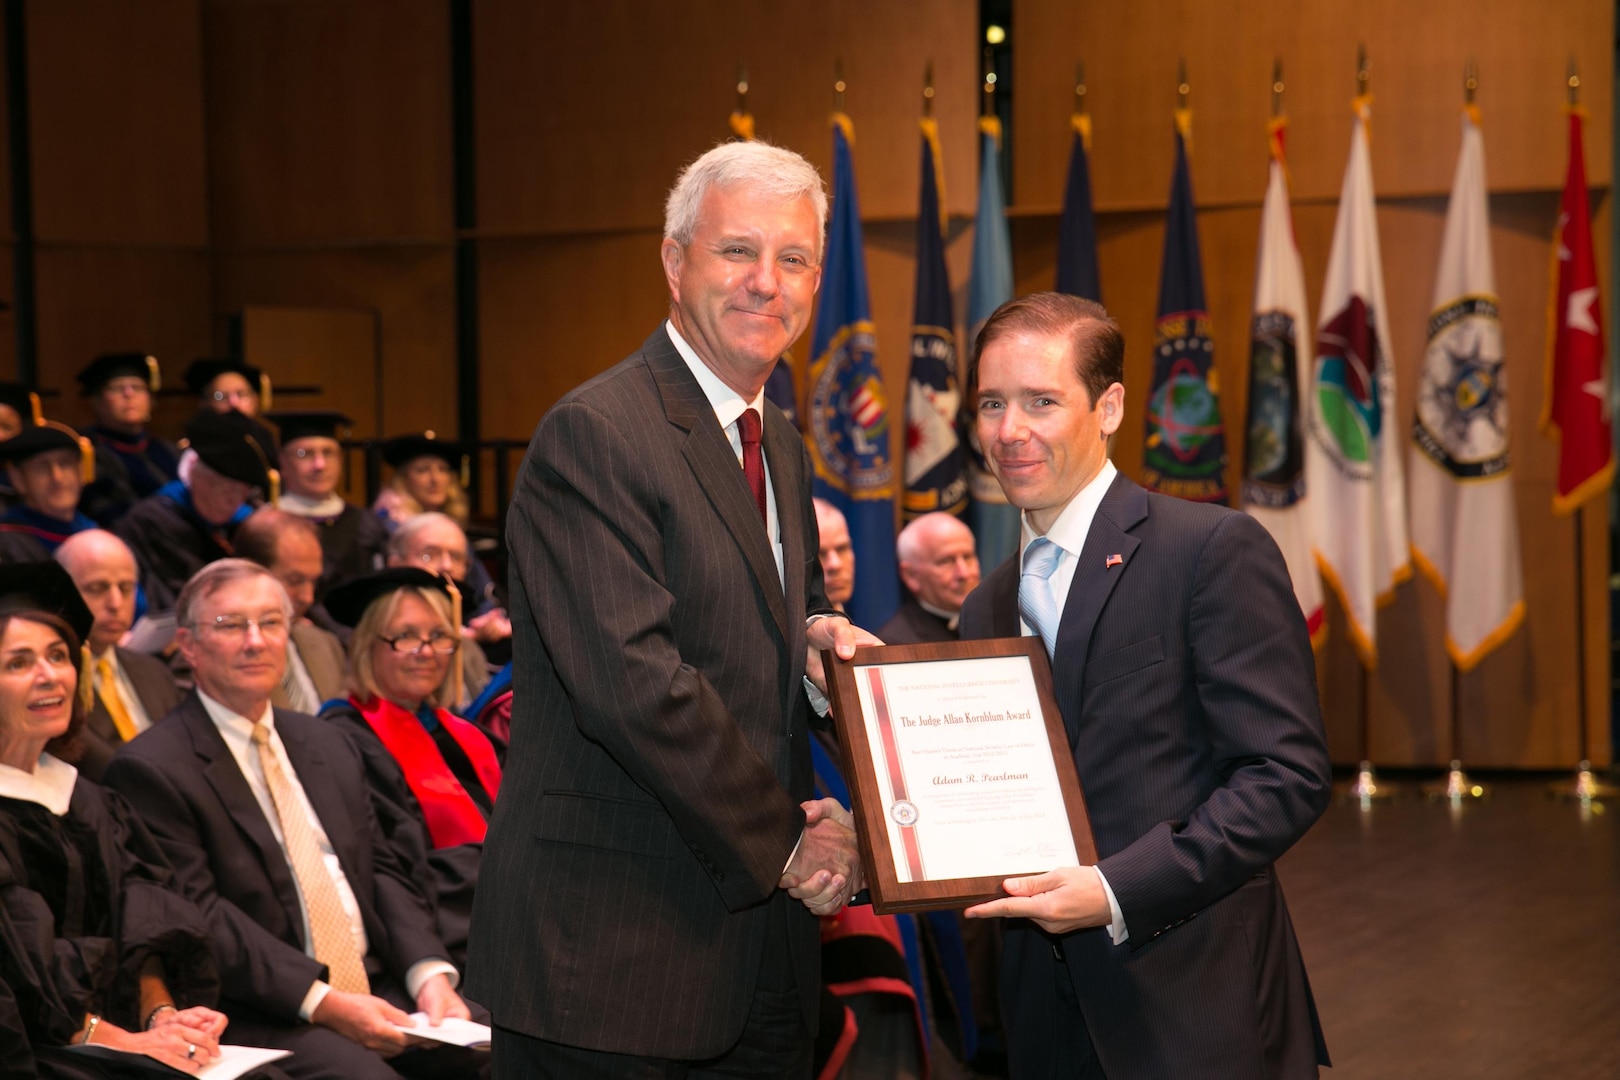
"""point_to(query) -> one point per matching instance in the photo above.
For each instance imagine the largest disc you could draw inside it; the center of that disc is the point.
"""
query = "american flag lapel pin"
(1114, 560)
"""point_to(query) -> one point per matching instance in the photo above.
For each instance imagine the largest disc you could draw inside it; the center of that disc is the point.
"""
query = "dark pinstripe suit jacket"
(1188, 689)
(658, 753)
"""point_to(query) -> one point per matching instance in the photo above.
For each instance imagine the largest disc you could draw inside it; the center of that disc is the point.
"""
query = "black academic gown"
(453, 870)
(170, 543)
(85, 900)
(127, 470)
(352, 545)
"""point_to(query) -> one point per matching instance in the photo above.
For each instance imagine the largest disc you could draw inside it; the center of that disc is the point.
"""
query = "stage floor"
(1481, 941)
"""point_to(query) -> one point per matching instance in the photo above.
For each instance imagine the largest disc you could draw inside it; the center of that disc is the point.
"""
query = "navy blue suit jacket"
(1187, 685)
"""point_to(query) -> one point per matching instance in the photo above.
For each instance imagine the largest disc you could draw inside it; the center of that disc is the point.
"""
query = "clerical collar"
(304, 506)
(50, 784)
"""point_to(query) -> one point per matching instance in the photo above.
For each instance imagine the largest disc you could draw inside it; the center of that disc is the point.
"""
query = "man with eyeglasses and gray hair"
(324, 943)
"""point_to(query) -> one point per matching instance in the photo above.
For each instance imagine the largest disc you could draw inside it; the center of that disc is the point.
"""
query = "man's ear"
(1112, 408)
(671, 255)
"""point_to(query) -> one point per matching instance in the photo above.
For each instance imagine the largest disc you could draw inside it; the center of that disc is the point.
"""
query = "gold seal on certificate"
(960, 769)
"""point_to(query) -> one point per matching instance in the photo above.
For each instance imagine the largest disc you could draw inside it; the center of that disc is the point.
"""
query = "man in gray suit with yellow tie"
(1184, 674)
(646, 896)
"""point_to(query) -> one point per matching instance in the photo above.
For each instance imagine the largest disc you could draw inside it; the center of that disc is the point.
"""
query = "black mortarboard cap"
(24, 399)
(348, 602)
(44, 586)
(234, 445)
(309, 424)
(104, 369)
(39, 438)
(402, 449)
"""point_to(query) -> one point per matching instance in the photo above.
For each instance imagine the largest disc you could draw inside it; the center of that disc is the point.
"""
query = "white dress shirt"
(237, 731)
(302, 696)
(1069, 534)
(126, 691)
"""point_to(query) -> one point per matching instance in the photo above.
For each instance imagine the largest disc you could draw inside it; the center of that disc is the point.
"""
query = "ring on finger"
(191, 1051)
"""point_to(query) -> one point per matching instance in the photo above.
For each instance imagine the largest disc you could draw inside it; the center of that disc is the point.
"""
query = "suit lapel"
(137, 674)
(1122, 508)
(784, 456)
(714, 464)
(1004, 600)
(225, 777)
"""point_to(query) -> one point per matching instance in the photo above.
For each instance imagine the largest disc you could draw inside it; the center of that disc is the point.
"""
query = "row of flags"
(1326, 459)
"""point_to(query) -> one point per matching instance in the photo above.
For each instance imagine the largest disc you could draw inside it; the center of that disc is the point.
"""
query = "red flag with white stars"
(1576, 409)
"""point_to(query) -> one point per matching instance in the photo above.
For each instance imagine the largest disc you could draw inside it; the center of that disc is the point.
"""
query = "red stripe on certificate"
(897, 779)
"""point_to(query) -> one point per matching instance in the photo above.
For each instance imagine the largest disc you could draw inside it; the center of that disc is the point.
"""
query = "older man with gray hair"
(646, 900)
(939, 566)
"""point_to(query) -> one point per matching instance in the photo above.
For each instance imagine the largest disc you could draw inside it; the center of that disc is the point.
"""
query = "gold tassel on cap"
(154, 377)
(87, 453)
(34, 409)
(264, 391)
(87, 688)
(466, 472)
(275, 487)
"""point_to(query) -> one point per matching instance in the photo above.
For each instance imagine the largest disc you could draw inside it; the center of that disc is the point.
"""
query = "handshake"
(825, 871)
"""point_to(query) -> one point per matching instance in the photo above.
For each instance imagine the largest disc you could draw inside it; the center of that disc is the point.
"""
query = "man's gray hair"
(399, 543)
(770, 171)
(215, 576)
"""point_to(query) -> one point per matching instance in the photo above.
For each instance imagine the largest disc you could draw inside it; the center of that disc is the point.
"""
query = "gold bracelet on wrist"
(155, 1010)
(90, 1029)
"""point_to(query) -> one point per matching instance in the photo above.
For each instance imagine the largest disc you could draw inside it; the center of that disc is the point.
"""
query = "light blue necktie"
(1036, 602)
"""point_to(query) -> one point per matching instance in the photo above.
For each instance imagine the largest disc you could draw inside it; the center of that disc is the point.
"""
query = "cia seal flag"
(1465, 535)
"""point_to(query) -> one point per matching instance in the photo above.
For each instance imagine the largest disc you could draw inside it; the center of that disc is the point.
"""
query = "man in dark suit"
(1185, 677)
(133, 690)
(638, 912)
(939, 566)
(321, 940)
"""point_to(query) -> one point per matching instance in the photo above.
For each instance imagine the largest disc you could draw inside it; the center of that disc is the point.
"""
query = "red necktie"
(748, 429)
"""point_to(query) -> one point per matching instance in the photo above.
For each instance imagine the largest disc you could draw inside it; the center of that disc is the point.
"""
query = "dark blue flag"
(1185, 453)
(936, 466)
(781, 391)
(848, 412)
(1077, 233)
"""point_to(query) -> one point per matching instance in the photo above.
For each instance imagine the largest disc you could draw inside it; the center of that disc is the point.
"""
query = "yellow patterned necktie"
(107, 687)
(329, 928)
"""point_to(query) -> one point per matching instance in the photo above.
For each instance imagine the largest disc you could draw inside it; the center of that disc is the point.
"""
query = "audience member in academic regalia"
(187, 523)
(48, 465)
(19, 409)
(426, 478)
(435, 543)
(131, 463)
(96, 943)
(287, 546)
(132, 690)
(425, 764)
(223, 385)
(320, 934)
(352, 539)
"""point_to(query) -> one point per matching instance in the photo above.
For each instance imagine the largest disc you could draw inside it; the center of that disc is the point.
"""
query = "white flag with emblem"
(1357, 501)
(1465, 532)
(1274, 452)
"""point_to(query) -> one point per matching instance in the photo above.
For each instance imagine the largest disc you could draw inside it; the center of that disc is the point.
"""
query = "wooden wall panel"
(413, 294)
(328, 121)
(306, 346)
(115, 100)
(96, 300)
(586, 112)
(1416, 51)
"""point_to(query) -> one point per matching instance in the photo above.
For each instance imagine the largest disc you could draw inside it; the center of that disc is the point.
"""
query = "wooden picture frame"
(883, 778)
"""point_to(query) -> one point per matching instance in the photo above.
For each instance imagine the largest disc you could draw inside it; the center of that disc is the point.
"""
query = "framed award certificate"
(959, 769)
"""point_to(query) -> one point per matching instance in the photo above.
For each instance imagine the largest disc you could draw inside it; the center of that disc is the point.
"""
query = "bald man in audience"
(939, 566)
(837, 554)
(133, 690)
(289, 546)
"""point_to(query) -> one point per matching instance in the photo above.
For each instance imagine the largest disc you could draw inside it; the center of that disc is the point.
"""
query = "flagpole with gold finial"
(1585, 787)
(930, 131)
(1080, 118)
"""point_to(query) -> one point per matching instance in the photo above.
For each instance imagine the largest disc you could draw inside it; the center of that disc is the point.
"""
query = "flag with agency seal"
(1352, 453)
(1274, 450)
(936, 463)
(847, 410)
(1465, 530)
(1185, 447)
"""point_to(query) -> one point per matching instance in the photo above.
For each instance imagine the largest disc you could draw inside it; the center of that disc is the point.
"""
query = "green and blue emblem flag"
(1077, 232)
(1352, 450)
(936, 466)
(848, 433)
(994, 520)
(1274, 490)
(1185, 442)
(1465, 530)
